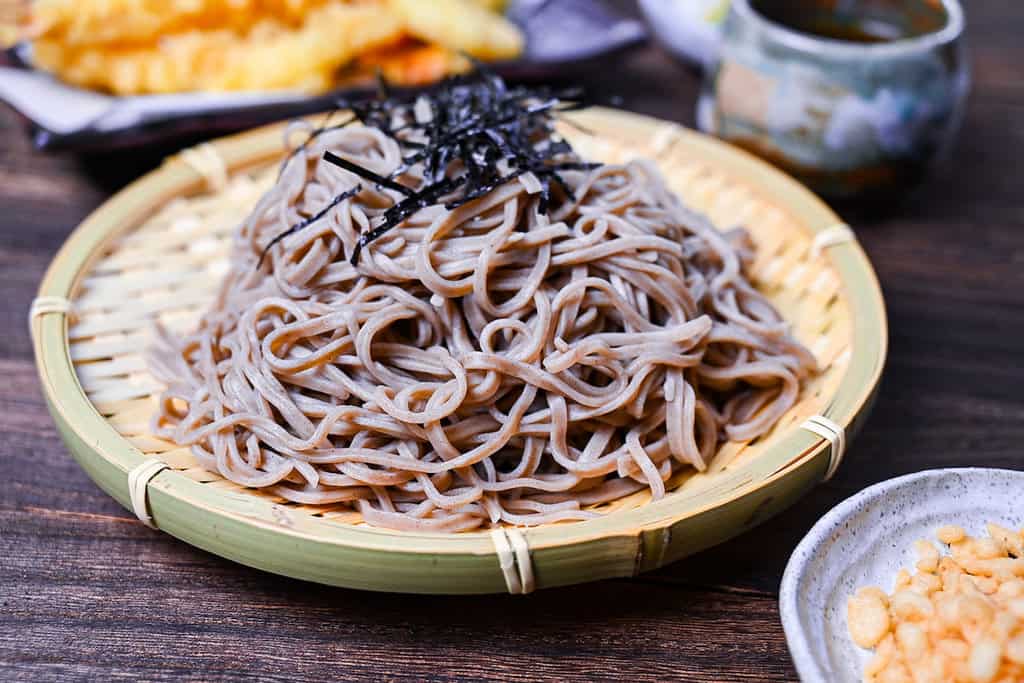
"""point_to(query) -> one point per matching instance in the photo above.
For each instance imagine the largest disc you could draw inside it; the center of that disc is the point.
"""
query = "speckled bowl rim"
(800, 647)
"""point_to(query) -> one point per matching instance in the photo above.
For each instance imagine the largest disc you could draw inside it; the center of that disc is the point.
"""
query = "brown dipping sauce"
(863, 21)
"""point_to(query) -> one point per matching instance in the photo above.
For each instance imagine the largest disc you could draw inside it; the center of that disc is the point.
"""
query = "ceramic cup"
(853, 97)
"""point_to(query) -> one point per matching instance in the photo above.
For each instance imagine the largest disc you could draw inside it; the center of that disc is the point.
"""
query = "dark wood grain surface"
(87, 592)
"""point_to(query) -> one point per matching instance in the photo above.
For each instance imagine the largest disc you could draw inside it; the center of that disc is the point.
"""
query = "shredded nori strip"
(351, 192)
(399, 212)
(366, 173)
(480, 134)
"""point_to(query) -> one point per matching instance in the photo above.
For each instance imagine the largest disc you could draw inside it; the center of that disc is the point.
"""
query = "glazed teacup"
(853, 97)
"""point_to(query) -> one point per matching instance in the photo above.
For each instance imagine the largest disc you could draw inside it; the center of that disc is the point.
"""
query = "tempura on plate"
(131, 47)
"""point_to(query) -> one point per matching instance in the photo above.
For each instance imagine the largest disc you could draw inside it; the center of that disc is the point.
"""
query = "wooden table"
(86, 591)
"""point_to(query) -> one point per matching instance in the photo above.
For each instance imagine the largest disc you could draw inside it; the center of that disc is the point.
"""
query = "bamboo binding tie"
(43, 305)
(138, 480)
(205, 160)
(830, 237)
(834, 434)
(514, 559)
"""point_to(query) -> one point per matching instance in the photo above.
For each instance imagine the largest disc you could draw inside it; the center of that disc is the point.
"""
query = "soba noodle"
(481, 365)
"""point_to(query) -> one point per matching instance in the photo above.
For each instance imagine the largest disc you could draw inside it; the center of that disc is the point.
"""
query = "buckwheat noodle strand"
(479, 365)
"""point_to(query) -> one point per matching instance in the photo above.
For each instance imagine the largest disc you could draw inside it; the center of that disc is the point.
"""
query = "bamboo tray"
(158, 249)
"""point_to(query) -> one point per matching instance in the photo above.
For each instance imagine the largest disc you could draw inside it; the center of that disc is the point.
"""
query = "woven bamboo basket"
(158, 249)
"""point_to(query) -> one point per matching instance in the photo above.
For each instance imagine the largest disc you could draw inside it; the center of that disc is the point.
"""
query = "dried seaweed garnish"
(477, 127)
(366, 173)
(467, 136)
(394, 215)
(305, 223)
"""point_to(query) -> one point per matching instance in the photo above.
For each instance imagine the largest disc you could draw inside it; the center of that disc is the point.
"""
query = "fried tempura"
(163, 46)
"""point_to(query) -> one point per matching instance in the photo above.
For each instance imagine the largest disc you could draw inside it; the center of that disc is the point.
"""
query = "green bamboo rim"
(621, 543)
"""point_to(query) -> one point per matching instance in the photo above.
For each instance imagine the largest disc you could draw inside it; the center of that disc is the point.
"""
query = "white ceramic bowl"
(865, 540)
(690, 29)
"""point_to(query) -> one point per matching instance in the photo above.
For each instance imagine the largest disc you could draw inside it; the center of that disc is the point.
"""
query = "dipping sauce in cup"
(856, 98)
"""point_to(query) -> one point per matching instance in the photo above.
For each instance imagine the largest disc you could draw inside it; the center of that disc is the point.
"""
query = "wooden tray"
(158, 249)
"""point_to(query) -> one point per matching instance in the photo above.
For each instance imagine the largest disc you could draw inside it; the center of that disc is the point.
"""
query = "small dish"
(864, 541)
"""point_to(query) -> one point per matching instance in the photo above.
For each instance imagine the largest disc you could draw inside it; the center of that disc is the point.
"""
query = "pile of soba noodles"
(441, 317)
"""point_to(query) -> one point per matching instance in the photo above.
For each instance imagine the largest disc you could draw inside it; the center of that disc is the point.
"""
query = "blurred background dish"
(854, 98)
(690, 29)
(139, 47)
(196, 69)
